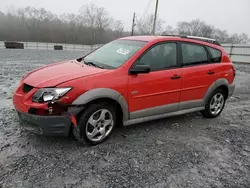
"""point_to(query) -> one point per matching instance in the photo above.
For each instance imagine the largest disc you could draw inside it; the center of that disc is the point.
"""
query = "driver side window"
(160, 57)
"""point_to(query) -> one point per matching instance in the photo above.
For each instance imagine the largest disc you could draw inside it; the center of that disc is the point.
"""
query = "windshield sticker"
(122, 51)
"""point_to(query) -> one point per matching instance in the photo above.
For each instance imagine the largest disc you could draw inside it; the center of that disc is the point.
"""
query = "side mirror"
(139, 69)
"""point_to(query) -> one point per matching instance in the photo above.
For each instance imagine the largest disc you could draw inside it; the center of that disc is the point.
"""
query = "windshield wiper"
(93, 64)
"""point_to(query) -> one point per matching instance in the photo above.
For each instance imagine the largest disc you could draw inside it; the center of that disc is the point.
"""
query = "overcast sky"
(232, 15)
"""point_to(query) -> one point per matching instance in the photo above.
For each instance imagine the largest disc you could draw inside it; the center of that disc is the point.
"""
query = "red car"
(126, 81)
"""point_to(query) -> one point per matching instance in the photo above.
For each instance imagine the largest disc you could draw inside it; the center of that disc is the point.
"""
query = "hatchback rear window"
(216, 54)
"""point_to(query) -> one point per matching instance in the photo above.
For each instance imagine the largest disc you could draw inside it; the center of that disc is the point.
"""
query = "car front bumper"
(45, 125)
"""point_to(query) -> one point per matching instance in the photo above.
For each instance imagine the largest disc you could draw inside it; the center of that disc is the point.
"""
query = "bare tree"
(96, 19)
(221, 35)
(195, 28)
(239, 39)
(145, 25)
(103, 19)
(72, 21)
(93, 25)
(32, 18)
(170, 31)
(118, 28)
(200, 28)
(11, 10)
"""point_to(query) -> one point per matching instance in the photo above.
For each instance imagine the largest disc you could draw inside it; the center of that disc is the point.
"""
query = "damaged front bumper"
(46, 125)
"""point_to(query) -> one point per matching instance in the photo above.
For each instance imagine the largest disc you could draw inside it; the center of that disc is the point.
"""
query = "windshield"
(114, 54)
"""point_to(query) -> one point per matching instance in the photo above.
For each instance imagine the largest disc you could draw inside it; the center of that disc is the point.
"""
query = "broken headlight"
(49, 94)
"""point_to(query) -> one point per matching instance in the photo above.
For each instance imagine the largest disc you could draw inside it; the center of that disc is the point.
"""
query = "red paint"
(53, 75)
(154, 89)
(196, 81)
(140, 91)
(73, 120)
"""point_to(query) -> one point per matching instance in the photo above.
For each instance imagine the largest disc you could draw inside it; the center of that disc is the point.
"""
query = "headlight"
(49, 94)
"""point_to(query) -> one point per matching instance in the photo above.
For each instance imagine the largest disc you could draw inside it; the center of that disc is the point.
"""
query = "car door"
(158, 91)
(198, 74)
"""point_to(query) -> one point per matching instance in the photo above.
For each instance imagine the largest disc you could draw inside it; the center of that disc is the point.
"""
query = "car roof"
(146, 38)
(193, 39)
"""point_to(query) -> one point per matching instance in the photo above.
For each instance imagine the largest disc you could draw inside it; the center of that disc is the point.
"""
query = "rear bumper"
(231, 89)
(45, 125)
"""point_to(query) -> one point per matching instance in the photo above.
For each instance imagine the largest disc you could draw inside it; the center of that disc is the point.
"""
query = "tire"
(215, 104)
(96, 123)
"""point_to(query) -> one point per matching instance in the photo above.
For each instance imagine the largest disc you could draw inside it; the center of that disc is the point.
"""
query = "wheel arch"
(220, 83)
(104, 94)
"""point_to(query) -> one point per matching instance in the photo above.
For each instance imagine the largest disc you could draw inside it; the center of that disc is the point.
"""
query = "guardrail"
(2, 45)
(237, 52)
(50, 46)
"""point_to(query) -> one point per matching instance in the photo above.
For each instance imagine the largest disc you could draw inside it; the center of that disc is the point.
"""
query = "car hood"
(57, 73)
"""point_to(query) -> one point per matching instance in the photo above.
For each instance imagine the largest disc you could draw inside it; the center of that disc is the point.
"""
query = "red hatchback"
(126, 81)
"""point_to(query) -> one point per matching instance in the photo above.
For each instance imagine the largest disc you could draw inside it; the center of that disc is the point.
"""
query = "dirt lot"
(184, 151)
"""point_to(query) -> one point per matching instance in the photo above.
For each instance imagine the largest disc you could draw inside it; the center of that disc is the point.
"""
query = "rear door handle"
(210, 72)
(175, 77)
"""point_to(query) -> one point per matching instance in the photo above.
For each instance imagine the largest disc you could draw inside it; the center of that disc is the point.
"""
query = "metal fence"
(50, 46)
(2, 45)
(237, 52)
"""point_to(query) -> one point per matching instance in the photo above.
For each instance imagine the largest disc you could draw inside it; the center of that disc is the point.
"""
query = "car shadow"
(161, 123)
(120, 132)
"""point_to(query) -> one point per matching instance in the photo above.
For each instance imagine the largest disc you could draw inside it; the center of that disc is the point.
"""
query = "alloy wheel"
(99, 125)
(217, 103)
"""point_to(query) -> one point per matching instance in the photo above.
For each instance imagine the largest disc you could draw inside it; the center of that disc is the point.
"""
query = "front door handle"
(175, 77)
(210, 72)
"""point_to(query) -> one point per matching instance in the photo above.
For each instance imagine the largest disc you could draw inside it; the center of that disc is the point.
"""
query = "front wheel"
(96, 124)
(215, 104)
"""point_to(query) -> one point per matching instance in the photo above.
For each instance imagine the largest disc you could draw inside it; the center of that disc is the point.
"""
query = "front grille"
(27, 88)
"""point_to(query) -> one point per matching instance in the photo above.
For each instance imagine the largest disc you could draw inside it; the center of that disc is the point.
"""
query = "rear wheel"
(215, 104)
(96, 124)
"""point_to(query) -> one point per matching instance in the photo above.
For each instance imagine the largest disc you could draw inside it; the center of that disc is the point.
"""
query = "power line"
(146, 10)
(135, 18)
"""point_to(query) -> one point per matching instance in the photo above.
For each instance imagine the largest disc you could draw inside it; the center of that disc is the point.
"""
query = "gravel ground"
(184, 151)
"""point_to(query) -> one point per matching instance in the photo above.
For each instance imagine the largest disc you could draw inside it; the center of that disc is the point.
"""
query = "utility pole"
(155, 18)
(133, 25)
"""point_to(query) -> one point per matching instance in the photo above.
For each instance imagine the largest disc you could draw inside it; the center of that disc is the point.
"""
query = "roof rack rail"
(209, 40)
(204, 39)
(170, 35)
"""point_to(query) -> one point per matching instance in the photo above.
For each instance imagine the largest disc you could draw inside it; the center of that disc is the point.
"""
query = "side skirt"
(161, 116)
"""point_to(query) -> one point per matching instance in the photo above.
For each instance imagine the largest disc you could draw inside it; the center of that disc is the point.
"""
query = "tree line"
(94, 25)
(193, 28)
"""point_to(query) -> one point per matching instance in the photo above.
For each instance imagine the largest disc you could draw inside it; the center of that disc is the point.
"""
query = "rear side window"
(215, 55)
(193, 54)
